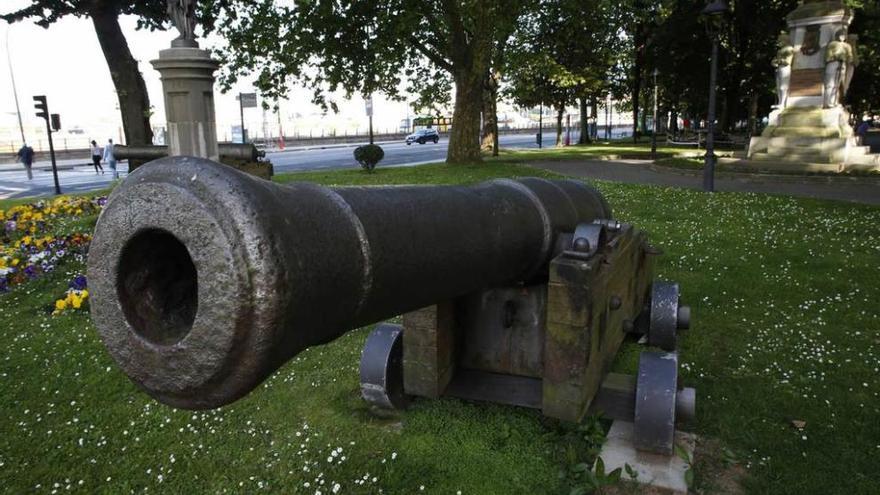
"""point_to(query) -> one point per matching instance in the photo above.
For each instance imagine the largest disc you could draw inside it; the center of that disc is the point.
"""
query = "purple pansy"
(79, 283)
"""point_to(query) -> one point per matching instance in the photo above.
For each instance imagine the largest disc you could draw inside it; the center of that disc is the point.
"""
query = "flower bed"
(31, 244)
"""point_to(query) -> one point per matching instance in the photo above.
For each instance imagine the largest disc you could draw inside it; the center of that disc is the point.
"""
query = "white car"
(423, 136)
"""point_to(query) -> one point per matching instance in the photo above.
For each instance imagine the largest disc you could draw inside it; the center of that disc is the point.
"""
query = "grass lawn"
(786, 327)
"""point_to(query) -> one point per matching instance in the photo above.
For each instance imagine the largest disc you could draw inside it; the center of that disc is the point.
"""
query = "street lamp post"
(713, 14)
(654, 134)
(541, 125)
(14, 89)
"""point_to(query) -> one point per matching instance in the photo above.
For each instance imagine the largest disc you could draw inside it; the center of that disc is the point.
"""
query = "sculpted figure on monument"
(183, 16)
(782, 63)
(853, 41)
(838, 61)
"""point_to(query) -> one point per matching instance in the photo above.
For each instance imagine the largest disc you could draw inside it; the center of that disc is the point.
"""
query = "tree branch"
(435, 58)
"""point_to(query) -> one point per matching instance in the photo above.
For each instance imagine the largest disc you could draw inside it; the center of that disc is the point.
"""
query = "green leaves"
(563, 50)
(151, 13)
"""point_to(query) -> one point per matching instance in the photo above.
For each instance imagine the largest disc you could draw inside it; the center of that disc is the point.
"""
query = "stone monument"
(809, 127)
(188, 84)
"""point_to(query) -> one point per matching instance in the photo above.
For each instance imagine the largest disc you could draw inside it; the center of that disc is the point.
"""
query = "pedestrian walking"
(110, 159)
(96, 157)
(26, 157)
(863, 129)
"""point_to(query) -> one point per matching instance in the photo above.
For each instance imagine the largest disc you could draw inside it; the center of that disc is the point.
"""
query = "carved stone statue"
(183, 16)
(839, 58)
(853, 41)
(782, 63)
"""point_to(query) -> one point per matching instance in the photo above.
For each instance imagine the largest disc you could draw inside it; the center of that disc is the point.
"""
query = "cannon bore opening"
(157, 286)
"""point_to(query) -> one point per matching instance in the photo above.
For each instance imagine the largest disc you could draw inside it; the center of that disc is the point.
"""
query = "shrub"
(369, 156)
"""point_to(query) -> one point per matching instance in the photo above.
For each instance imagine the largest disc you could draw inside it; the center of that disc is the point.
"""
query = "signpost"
(245, 100)
(52, 121)
(369, 106)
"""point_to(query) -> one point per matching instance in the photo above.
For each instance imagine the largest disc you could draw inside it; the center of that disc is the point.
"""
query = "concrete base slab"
(766, 164)
(660, 471)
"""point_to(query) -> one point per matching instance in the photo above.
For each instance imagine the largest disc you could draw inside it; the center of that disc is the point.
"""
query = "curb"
(758, 176)
(325, 147)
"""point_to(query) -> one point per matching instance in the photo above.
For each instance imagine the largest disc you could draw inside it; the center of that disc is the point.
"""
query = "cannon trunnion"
(206, 280)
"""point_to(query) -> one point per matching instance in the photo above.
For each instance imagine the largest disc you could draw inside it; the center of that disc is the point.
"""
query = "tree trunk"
(753, 114)
(594, 114)
(585, 128)
(643, 121)
(134, 102)
(464, 139)
(490, 115)
(638, 62)
(724, 123)
(560, 111)
(673, 123)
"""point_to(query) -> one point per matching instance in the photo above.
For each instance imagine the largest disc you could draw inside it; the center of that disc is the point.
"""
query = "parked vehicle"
(422, 136)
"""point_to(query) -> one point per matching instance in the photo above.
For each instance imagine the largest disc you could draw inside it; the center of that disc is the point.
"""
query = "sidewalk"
(46, 165)
(864, 190)
(86, 162)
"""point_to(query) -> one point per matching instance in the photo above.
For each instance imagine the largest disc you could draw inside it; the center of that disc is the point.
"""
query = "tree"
(862, 96)
(134, 102)
(361, 47)
(565, 51)
(535, 76)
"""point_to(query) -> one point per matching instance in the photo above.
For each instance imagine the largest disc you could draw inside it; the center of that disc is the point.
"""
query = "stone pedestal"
(804, 132)
(188, 84)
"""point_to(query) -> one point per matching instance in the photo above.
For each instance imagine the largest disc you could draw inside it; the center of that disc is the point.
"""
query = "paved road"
(79, 176)
(395, 154)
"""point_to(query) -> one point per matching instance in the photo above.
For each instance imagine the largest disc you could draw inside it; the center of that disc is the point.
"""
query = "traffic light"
(42, 107)
(52, 121)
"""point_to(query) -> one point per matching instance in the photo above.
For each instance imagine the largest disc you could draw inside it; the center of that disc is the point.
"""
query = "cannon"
(234, 151)
(205, 280)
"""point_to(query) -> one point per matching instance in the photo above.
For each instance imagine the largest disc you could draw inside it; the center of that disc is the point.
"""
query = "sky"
(65, 63)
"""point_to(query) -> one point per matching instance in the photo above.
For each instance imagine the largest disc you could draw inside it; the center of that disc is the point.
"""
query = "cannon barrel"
(205, 280)
(234, 151)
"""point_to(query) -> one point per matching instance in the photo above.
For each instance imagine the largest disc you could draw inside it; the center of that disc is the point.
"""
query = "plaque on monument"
(806, 82)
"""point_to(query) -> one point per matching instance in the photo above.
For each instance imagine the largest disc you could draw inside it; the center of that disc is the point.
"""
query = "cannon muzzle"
(205, 280)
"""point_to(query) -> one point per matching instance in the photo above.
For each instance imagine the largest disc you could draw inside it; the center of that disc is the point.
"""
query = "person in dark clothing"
(862, 130)
(97, 155)
(26, 157)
